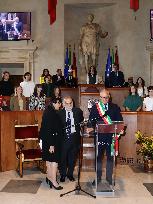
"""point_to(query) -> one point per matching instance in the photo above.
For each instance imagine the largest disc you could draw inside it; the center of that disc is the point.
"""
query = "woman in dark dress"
(50, 134)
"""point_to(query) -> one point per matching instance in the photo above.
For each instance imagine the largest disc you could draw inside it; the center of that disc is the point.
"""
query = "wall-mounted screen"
(15, 26)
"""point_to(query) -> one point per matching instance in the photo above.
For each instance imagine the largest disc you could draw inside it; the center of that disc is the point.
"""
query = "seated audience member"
(129, 83)
(57, 92)
(116, 77)
(133, 102)
(141, 88)
(92, 76)
(45, 73)
(38, 99)
(148, 101)
(27, 85)
(58, 79)
(70, 80)
(18, 101)
(4, 106)
(48, 87)
(6, 87)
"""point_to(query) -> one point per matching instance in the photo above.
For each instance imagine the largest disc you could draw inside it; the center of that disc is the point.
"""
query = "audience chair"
(27, 134)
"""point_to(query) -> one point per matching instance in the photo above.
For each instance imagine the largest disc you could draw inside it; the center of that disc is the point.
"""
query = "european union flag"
(108, 69)
(66, 63)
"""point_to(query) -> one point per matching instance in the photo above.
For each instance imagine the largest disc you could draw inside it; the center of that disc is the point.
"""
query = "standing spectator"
(38, 99)
(133, 102)
(92, 77)
(18, 101)
(6, 87)
(141, 88)
(27, 85)
(71, 117)
(48, 87)
(58, 79)
(148, 101)
(51, 136)
(116, 77)
(45, 73)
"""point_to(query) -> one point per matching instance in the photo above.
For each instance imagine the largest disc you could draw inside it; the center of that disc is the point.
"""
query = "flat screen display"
(15, 26)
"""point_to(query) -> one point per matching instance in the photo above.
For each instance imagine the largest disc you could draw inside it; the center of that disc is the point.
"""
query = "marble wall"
(130, 35)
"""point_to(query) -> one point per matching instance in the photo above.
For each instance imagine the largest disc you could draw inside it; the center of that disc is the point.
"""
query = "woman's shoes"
(51, 185)
(47, 180)
(56, 188)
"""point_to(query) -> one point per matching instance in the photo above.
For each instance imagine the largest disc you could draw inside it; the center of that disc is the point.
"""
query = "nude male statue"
(89, 43)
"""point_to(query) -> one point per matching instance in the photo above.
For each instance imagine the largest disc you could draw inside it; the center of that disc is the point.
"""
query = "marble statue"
(89, 43)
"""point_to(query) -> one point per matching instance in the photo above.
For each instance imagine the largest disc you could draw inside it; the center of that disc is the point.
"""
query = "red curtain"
(134, 4)
(52, 10)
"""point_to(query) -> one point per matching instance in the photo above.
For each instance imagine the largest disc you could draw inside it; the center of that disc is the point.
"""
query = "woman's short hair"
(136, 90)
(55, 100)
(150, 88)
(5, 72)
(27, 74)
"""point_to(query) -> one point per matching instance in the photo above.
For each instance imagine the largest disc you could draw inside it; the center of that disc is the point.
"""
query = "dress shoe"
(62, 179)
(71, 178)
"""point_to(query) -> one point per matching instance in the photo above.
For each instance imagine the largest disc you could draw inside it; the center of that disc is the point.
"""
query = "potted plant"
(145, 144)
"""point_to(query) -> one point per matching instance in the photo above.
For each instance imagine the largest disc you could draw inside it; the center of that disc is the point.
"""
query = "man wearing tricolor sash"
(105, 112)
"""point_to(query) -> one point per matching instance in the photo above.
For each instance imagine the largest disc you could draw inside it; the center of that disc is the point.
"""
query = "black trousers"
(70, 149)
(105, 144)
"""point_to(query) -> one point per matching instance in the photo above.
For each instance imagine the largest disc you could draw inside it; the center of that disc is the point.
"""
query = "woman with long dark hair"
(50, 134)
(38, 99)
(141, 88)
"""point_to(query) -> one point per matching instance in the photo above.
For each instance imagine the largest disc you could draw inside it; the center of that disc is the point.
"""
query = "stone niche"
(22, 55)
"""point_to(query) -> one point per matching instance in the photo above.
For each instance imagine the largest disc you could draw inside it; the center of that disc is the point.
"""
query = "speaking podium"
(103, 187)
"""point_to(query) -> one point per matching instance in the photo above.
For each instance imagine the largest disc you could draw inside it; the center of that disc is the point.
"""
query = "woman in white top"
(148, 101)
(27, 85)
(141, 88)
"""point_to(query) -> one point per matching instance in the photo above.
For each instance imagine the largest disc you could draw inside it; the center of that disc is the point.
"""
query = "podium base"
(103, 188)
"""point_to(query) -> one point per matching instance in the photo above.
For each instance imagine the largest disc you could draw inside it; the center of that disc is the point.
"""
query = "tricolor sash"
(107, 120)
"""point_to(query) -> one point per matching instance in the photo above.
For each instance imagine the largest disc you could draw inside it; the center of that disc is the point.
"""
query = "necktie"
(68, 130)
(106, 107)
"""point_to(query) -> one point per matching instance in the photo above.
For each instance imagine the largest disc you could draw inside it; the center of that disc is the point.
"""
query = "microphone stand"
(78, 186)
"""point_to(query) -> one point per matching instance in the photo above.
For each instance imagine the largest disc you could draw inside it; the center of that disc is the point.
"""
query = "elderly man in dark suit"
(71, 118)
(99, 112)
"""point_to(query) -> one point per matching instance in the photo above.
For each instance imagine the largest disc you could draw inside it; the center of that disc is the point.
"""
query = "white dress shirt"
(28, 88)
(148, 103)
(72, 121)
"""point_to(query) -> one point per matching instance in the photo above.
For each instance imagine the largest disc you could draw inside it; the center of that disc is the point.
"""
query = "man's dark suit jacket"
(56, 82)
(113, 112)
(78, 118)
(116, 79)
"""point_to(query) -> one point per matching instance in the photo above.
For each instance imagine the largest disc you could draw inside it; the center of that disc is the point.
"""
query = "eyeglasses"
(106, 97)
